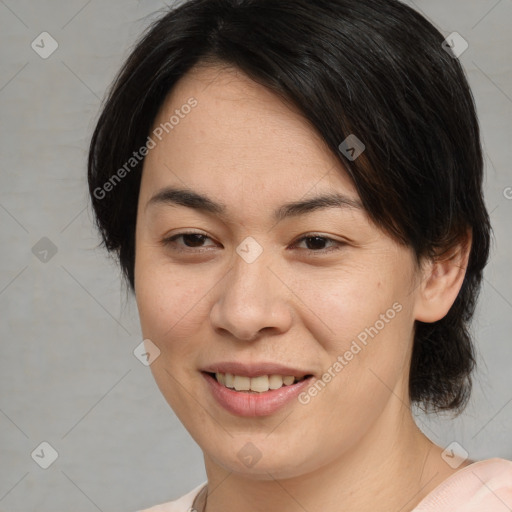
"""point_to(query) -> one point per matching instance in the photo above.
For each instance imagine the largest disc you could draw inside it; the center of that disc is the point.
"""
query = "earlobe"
(441, 282)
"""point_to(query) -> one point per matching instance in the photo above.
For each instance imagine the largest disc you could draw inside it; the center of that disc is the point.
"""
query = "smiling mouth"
(260, 384)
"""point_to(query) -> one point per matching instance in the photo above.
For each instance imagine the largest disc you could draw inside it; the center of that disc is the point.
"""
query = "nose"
(252, 301)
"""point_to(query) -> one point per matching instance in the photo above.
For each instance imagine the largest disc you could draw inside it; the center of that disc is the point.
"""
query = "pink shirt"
(484, 486)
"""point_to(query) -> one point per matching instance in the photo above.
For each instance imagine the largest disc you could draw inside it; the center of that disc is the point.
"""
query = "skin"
(354, 446)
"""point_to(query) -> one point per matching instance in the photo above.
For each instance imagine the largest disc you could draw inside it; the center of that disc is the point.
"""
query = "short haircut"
(375, 69)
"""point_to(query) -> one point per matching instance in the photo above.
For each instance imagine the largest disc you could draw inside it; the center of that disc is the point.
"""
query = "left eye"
(314, 243)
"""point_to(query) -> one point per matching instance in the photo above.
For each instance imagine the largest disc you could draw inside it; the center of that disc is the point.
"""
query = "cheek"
(364, 325)
(169, 302)
(365, 365)
(166, 307)
(340, 306)
(171, 310)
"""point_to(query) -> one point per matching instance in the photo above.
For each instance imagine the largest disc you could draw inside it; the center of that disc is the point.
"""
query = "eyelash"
(170, 241)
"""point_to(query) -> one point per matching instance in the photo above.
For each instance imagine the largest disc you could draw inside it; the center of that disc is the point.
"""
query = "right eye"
(190, 240)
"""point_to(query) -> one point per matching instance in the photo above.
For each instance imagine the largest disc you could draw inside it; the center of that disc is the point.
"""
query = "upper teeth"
(259, 384)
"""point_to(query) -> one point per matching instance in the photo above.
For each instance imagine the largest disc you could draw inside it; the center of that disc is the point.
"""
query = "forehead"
(240, 143)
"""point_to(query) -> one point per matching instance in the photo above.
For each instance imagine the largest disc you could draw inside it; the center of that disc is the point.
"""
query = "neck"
(390, 468)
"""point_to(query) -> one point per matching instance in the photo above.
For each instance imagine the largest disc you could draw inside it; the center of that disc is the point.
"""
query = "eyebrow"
(186, 197)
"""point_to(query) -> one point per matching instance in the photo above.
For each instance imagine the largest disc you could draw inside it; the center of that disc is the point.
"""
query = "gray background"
(68, 375)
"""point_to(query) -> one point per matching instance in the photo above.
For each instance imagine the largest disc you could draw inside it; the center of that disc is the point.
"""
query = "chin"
(263, 461)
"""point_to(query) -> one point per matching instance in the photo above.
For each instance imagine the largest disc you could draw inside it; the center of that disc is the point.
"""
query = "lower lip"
(254, 404)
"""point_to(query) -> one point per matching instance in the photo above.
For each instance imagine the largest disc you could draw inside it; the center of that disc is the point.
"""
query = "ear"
(441, 282)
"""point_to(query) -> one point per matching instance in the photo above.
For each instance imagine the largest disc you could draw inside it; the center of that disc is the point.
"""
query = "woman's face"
(254, 290)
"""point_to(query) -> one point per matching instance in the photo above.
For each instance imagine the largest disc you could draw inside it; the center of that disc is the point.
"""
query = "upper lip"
(254, 369)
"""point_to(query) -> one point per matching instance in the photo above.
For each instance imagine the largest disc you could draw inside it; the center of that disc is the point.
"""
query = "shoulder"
(181, 504)
(483, 485)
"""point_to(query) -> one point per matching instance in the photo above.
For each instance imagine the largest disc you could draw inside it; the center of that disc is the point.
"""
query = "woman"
(293, 190)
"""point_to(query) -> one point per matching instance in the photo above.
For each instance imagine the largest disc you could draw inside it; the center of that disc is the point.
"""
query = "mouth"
(258, 384)
(258, 395)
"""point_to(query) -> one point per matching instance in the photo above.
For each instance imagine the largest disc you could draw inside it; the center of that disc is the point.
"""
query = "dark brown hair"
(373, 68)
